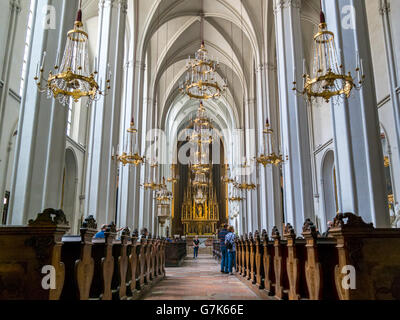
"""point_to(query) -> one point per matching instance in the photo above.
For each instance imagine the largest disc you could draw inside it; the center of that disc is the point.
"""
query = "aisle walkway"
(200, 279)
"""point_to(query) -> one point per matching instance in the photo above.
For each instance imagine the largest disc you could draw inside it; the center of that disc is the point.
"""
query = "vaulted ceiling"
(240, 33)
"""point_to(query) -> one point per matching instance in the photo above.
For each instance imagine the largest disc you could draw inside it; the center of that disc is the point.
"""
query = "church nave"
(200, 279)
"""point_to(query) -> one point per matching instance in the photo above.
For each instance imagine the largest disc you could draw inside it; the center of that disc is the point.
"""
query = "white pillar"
(387, 18)
(359, 157)
(39, 157)
(125, 205)
(273, 175)
(269, 177)
(15, 9)
(260, 121)
(101, 182)
(298, 192)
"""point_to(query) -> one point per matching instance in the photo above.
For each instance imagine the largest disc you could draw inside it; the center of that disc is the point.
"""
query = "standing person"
(230, 245)
(196, 243)
(224, 253)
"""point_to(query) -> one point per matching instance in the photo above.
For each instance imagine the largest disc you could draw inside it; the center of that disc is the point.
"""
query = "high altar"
(200, 218)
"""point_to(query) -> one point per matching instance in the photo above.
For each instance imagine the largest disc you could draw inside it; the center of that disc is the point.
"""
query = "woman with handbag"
(230, 245)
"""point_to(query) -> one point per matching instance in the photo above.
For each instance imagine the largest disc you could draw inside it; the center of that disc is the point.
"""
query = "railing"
(38, 262)
(355, 262)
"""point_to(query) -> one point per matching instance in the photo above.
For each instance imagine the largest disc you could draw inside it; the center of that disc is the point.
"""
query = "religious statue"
(200, 218)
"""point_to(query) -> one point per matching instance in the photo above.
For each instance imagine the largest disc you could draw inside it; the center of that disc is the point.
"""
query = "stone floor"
(200, 279)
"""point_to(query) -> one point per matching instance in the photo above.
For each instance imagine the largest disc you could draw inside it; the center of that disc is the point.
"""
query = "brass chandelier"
(202, 127)
(242, 185)
(151, 185)
(201, 82)
(245, 186)
(270, 157)
(72, 79)
(130, 157)
(227, 178)
(163, 195)
(200, 181)
(328, 79)
(201, 138)
(235, 196)
(174, 179)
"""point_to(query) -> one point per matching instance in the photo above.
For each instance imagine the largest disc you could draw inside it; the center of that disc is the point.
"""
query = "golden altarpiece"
(200, 217)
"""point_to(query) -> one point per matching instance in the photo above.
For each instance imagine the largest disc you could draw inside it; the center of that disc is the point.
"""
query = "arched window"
(329, 187)
(388, 175)
(28, 39)
(69, 187)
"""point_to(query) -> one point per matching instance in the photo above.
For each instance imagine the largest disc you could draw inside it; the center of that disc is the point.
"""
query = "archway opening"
(329, 187)
(70, 179)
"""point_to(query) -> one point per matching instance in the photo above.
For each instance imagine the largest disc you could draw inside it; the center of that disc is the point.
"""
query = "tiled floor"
(200, 279)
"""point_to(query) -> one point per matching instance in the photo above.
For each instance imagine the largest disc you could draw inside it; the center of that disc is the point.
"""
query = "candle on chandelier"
(58, 58)
(43, 59)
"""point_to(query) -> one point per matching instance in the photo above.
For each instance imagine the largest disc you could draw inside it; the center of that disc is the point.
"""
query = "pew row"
(354, 262)
(40, 262)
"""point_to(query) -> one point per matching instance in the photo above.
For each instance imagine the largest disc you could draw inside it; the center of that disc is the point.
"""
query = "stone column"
(15, 9)
(269, 177)
(145, 195)
(387, 18)
(40, 149)
(273, 175)
(298, 188)
(129, 182)
(359, 156)
(249, 174)
(101, 181)
(260, 121)
(125, 206)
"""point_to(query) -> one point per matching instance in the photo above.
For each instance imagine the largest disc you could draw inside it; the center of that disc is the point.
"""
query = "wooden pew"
(373, 253)
(259, 261)
(295, 264)
(79, 264)
(247, 274)
(243, 256)
(25, 250)
(268, 263)
(142, 263)
(104, 265)
(238, 255)
(252, 257)
(320, 264)
(175, 253)
(121, 276)
(280, 257)
(149, 248)
(163, 258)
(156, 271)
(134, 265)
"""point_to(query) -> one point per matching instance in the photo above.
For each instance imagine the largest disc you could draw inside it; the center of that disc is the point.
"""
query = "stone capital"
(384, 7)
(285, 4)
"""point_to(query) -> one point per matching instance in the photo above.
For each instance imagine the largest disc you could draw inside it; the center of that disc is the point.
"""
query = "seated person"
(100, 234)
